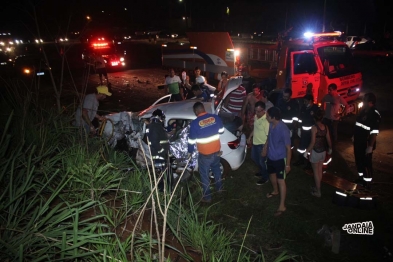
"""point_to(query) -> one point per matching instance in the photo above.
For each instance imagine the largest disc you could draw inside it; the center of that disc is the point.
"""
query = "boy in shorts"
(278, 152)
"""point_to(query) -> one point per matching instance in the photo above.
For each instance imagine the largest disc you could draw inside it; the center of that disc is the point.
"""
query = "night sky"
(370, 17)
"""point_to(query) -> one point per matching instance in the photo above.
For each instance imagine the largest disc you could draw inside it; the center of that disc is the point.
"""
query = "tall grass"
(67, 198)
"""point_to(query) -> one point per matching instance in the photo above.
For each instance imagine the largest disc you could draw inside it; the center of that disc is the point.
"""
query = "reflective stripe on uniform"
(360, 174)
(301, 150)
(161, 142)
(191, 141)
(362, 126)
(295, 119)
(158, 157)
(306, 128)
(367, 179)
(207, 140)
(374, 132)
(327, 162)
(286, 121)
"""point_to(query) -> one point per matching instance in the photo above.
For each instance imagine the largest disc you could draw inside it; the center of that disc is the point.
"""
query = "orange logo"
(207, 122)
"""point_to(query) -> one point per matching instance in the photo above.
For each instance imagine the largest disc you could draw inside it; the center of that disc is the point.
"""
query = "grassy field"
(296, 230)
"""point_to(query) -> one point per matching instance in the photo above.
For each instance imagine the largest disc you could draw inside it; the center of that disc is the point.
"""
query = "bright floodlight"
(308, 34)
(237, 52)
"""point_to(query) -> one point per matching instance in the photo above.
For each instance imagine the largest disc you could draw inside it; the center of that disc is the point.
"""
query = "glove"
(329, 152)
(299, 132)
(369, 150)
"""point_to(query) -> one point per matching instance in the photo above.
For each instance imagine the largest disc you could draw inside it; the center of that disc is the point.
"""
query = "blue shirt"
(205, 132)
(278, 139)
(204, 96)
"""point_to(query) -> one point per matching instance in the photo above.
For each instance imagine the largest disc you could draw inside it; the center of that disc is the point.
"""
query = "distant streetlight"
(193, 52)
(88, 17)
(185, 17)
(162, 54)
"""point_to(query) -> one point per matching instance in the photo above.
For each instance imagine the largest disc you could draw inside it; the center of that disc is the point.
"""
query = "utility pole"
(324, 17)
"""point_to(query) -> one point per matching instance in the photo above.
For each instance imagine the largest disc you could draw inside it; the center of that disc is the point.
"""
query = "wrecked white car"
(179, 115)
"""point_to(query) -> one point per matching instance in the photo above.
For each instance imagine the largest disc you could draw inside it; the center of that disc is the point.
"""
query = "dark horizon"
(369, 17)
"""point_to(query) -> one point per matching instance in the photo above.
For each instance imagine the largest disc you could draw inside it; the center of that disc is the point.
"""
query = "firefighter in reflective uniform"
(289, 112)
(158, 142)
(364, 139)
(306, 121)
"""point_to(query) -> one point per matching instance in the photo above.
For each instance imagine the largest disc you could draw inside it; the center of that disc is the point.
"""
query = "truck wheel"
(224, 167)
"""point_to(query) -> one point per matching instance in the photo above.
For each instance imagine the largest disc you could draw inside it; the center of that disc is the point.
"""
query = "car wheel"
(224, 167)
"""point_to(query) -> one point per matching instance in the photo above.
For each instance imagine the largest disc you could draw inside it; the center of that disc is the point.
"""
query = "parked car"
(371, 49)
(352, 40)
(233, 141)
(31, 65)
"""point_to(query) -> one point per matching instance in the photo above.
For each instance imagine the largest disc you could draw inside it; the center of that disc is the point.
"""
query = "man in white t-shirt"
(172, 86)
(332, 103)
(199, 79)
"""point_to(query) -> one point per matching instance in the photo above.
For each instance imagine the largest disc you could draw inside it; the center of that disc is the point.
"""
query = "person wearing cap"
(87, 111)
(306, 121)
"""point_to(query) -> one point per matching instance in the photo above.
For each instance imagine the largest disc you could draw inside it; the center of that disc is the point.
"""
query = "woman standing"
(320, 143)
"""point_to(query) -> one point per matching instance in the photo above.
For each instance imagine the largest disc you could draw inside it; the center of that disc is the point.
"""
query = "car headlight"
(121, 59)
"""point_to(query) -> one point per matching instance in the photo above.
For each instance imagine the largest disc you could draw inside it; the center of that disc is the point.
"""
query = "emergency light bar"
(335, 33)
(100, 45)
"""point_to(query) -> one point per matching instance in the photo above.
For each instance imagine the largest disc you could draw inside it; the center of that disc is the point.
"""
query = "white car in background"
(233, 141)
(352, 40)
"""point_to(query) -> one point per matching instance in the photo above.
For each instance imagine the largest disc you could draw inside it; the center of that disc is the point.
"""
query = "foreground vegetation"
(64, 196)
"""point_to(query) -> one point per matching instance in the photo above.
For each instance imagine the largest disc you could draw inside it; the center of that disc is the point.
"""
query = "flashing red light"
(234, 144)
(102, 45)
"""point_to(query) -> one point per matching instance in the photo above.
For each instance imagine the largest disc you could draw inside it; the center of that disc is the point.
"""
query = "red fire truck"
(104, 47)
(307, 65)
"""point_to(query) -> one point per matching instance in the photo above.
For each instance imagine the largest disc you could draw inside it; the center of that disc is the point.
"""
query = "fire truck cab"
(308, 66)
(312, 64)
(104, 47)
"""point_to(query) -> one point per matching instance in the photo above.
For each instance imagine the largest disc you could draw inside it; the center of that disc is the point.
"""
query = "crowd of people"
(276, 134)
